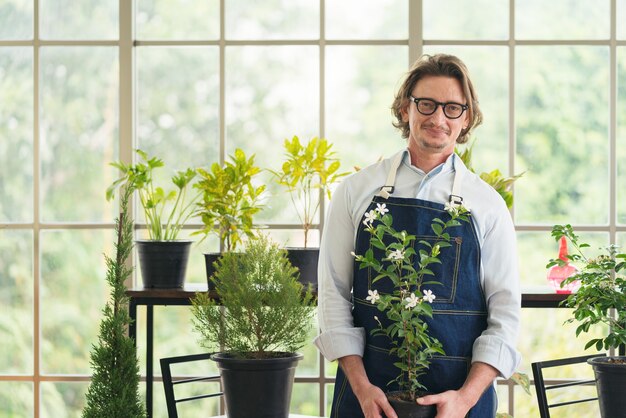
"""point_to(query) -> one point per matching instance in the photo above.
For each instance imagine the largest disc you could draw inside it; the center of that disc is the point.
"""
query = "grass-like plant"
(409, 304)
(166, 212)
(601, 297)
(262, 309)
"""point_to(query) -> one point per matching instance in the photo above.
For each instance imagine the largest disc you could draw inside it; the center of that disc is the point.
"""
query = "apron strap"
(385, 191)
(455, 197)
(388, 188)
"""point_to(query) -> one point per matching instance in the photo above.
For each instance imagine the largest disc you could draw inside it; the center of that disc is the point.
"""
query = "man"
(477, 316)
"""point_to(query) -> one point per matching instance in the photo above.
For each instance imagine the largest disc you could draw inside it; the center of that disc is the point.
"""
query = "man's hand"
(456, 403)
(371, 398)
(373, 401)
(450, 404)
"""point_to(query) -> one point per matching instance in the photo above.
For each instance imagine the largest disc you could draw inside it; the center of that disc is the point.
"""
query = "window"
(200, 79)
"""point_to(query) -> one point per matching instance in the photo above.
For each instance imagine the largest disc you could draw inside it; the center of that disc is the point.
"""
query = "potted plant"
(163, 258)
(114, 387)
(260, 317)
(502, 184)
(229, 201)
(308, 170)
(599, 300)
(396, 256)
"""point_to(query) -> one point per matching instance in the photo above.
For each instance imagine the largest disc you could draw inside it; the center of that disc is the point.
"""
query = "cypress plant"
(114, 388)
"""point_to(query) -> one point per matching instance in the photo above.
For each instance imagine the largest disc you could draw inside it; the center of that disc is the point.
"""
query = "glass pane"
(82, 20)
(62, 399)
(272, 93)
(309, 366)
(16, 400)
(359, 94)
(178, 116)
(16, 19)
(621, 135)
(16, 131)
(16, 299)
(73, 293)
(621, 19)
(305, 399)
(562, 103)
(79, 132)
(562, 19)
(328, 391)
(272, 19)
(178, 19)
(367, 19)
(488, 70)
(539, 247)
(485, 19)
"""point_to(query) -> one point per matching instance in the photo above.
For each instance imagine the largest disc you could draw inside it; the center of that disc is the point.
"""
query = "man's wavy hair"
(437, 65)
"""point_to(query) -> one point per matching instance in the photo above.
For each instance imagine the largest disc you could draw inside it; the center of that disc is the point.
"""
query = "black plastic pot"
(163, 263)
(410, 409)
(209, 259)
(259, 388)
(305, 259)
(610, 375)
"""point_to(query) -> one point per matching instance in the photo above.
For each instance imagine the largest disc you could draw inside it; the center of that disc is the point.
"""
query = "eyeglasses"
(427, 107)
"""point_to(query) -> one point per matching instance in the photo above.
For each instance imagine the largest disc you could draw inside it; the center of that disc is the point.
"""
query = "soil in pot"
(406, 407)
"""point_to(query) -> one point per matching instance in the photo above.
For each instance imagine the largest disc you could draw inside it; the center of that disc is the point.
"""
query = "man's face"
(435, 133)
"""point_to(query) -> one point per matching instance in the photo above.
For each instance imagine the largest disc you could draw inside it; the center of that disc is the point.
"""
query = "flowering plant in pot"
(163, 257)
(259, 319)
(599, 300)
(229, 201)
(307, 170)
(407, 264)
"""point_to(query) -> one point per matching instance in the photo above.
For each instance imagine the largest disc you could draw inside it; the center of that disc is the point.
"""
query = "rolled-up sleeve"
(338, 337)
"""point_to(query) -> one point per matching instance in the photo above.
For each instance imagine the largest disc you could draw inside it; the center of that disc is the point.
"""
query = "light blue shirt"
(496, 235)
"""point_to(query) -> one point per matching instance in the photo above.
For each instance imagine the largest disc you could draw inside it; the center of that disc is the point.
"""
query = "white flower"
(411, 301)
(381, 208)
(429, 296)
(369, 218)
(451, 208)
(373, 296)
(396, 255)
(352, 253)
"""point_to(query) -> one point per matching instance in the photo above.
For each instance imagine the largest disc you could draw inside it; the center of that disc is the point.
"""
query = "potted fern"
(162, 257)
(259, 319)
(308, 170)
(599, 301)
(229, 200)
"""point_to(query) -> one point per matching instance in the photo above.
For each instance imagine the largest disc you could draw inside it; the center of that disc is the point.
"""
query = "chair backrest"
(542, 388)
(169, 382)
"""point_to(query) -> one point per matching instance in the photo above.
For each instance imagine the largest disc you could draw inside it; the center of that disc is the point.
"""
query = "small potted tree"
(261, 317)
(599, 301)
(229, 201)
(162, 257)
(307, 171)
(398, 257)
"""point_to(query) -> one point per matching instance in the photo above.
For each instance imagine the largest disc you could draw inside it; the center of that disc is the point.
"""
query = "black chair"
(542, 388)
(169, 383)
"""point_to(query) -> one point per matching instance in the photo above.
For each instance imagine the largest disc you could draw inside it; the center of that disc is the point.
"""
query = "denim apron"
(459, 310)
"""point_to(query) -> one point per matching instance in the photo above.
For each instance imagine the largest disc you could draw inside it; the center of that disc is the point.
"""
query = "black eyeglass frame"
(415, 100)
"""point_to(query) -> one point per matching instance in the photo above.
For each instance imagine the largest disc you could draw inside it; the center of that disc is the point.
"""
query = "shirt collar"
(452, 163)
